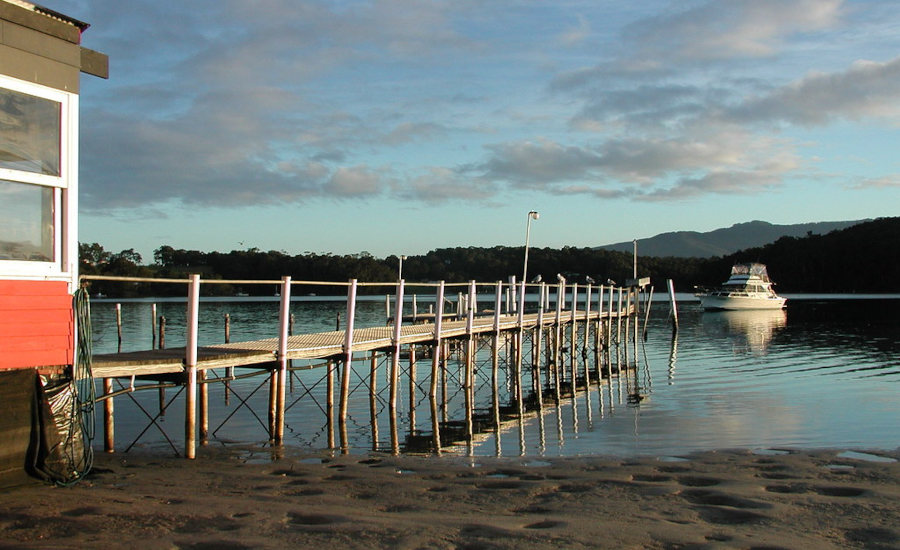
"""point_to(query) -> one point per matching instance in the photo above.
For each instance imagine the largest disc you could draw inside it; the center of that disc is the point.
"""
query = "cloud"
(357, 181)
(726, 30)
(440, 184)
(711, 32)
(725, 161)
(868, 89)
(885, 182)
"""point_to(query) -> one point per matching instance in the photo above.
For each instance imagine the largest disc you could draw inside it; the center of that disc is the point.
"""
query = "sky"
(398, 126)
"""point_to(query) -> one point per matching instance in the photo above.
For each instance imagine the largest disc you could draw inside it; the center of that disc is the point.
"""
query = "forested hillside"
(862, 258)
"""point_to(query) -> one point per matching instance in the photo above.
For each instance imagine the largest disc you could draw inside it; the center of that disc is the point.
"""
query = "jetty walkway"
(527, 341)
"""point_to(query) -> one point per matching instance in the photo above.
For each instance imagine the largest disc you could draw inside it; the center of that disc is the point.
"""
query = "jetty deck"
(320, 345)
(540, 350)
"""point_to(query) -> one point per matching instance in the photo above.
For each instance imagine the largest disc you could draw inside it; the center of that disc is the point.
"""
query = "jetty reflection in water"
(823, 374)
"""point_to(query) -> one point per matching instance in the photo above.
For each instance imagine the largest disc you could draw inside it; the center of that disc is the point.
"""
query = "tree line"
(861, 258)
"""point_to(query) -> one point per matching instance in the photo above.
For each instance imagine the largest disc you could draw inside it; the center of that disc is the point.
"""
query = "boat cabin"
(41, 60)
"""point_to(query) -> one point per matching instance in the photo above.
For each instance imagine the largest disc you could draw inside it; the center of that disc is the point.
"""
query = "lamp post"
(400, 269)
(532, 215)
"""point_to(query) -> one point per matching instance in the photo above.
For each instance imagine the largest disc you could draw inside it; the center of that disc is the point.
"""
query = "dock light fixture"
(400, 269)
(532, 215)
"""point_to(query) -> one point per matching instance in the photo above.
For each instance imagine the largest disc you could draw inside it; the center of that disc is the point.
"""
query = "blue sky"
(399, 126)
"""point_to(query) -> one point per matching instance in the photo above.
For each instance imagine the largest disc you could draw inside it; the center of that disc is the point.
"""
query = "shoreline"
(727, 498)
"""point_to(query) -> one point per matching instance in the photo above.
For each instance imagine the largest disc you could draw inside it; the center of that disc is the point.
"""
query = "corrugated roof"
(49, 13)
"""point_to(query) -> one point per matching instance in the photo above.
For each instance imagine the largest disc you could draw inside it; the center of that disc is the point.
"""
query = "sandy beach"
(725, 499)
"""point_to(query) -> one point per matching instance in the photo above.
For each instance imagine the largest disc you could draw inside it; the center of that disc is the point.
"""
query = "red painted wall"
(36, 324)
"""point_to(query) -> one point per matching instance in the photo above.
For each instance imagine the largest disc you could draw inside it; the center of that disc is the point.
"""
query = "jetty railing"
(533, 335)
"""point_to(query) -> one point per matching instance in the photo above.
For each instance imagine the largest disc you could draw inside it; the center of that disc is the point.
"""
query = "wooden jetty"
(586, 317)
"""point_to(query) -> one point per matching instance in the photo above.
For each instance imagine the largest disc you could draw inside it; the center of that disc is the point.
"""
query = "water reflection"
(749, 331)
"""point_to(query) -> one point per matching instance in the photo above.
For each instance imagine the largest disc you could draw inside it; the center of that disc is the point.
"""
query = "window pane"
(29, 133)
(26, 222)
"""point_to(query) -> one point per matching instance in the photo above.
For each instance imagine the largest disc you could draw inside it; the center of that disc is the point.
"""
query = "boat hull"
(741, 302)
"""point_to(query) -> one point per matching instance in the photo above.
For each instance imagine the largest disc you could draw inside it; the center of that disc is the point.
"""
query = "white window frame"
(65, 191)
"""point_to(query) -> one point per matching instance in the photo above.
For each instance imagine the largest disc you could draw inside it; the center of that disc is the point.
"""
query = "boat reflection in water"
(750, 331)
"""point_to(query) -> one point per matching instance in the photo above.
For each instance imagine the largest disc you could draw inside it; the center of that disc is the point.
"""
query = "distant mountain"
(721, 242)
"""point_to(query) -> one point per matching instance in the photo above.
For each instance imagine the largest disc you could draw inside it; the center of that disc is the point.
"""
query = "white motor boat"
(748, 287)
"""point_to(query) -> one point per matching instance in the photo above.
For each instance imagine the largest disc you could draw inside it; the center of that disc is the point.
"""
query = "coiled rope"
(79, 455)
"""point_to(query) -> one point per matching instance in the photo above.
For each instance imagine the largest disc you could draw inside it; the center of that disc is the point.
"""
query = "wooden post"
(229, 371)
(557, 333)
(153, 325)
(162, 332)
(647, 314)
(395, 367)
(329, 402)
(573, 344)
(348, 360)
(495, 360)
(203, 391)
(412, 384)
(109, 438)
(190, 365)
(373, 394)
(119, 325)
(587, 333)
(284, 316)
(437, 356)
(609, 323)
(520, 346)
(291, 361)
(619, 318)
(673, 305)
(470, 367)
(536, 352)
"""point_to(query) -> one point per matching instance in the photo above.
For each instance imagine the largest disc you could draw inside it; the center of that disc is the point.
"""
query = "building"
(41, 60)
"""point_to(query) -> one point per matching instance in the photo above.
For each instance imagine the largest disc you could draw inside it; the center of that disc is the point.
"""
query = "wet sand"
(725, 499)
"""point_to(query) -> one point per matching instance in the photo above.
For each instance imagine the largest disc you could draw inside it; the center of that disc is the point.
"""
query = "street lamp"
(400, 269)
(532, 215)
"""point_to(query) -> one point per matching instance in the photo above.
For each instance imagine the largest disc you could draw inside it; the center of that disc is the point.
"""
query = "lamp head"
(534, 215)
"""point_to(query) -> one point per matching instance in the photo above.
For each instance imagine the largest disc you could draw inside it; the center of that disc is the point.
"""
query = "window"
(27, 231)
(29, 133)
(38, 130)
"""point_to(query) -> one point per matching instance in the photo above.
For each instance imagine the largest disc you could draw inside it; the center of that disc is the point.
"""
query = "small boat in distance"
(748, 287)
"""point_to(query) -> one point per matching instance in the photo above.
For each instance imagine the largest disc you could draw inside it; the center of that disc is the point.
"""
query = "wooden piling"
(284, 316)
(329, 402)
(412, 387)
(203, 402)
(348, 358)
(373, 397)
(395, 367)
(673, 305)
(536, 350)
(119, 325)
(470, 370)
(190, 365)
(557, 333)
(162, 332)
(437, 357)
(153, 326)
(495, 360)
(109, 438)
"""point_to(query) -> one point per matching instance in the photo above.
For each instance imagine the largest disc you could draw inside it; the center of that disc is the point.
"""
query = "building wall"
(38, 49)
(36, 324)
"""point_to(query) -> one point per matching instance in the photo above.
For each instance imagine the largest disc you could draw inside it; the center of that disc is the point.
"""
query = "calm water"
(825, 373)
